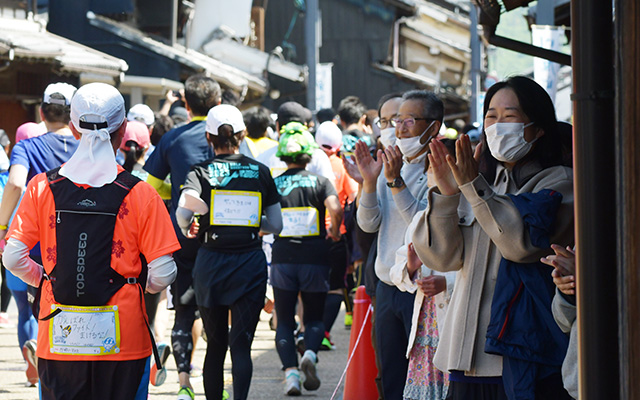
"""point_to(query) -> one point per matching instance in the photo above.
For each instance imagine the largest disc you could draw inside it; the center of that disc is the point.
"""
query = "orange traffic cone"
(361, 372)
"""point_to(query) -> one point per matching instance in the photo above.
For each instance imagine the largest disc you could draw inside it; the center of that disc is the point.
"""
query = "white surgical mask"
(388, 136)
(410, 147)
(506, 141)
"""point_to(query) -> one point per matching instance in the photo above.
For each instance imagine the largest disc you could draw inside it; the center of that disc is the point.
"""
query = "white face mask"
(506, 141)
(388, 136)
(410, 147)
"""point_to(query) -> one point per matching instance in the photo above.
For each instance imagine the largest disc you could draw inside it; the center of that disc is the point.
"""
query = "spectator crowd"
(462, 235)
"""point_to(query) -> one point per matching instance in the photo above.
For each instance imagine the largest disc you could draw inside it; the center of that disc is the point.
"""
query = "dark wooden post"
(596, 203)
(627, 40)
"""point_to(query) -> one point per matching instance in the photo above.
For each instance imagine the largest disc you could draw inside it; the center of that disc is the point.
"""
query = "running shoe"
(196, 372)
(292, 384)
(300, 346)
(348, 320)
(326, 344)
(185, 393)
(157, 375)
(29, 354)
(308, 368)
(5, 322)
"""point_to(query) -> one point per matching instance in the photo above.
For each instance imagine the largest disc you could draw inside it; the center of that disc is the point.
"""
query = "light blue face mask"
(410, 147)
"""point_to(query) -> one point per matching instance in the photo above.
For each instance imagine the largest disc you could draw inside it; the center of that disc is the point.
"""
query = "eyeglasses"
(384, 123)
(407, 122)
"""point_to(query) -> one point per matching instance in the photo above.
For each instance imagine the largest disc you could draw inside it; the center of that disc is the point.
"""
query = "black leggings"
(96, 380)
(151, 301)
(181, 339)
(245, 314)
(5, 293)
(285, 304)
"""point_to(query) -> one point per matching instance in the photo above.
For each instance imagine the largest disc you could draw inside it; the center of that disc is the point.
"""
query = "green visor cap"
(295, 139)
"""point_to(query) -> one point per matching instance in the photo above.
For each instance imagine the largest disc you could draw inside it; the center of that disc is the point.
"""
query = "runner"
(300, 260)
(92, 213)
(230, 192)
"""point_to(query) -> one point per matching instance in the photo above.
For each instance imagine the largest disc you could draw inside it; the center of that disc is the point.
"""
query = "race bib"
(300, 221)
(235, 208)
(88, 331)
(277, 171)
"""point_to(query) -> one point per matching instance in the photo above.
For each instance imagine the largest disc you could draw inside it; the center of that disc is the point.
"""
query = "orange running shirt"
(346, 187)
(142, 226)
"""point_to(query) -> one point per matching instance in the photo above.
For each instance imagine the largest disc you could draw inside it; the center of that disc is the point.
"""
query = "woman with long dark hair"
(490, 217)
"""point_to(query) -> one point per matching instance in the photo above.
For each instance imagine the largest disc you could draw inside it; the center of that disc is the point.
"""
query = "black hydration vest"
(85, 221)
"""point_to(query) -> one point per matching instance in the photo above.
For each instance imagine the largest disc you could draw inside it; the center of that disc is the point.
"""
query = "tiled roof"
(223, 73)
(25, 39)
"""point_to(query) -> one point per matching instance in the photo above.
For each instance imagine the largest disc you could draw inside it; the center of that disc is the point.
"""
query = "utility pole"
(476, 67)
(311, 18)
(545, 12)
(174, 22)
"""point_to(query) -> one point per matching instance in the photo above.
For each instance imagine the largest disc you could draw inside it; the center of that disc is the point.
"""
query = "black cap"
(292, 111)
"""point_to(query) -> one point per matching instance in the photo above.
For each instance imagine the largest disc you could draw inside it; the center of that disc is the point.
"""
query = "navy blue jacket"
(522, 325)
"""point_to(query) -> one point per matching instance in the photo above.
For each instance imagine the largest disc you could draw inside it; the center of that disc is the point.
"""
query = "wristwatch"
(396, 183)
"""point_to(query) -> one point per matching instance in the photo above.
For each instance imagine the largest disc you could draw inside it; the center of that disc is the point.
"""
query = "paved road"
(267, 383)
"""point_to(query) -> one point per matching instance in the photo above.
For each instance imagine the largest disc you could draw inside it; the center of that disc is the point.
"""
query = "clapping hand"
(349, 163)
(564, 268)
(392, 161)
(441, 170)
(368, 167)
(465, 166)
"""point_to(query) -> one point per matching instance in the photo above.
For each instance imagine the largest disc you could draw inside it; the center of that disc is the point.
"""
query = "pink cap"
(138, 132)
(29, 130)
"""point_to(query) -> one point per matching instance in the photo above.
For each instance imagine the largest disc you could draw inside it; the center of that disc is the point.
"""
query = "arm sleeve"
(25, 224)
(563, 312)
(184, 218)
(398, 273)
(162, 272)
(408, 205)
(369, 214)
(272, 220)
(16, 259)
(163, 188)
(501, 220)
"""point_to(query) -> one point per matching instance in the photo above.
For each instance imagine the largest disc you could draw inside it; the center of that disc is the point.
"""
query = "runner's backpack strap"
(82, 274)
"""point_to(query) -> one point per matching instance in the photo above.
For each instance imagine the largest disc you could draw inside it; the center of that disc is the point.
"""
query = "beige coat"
(473, 243)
